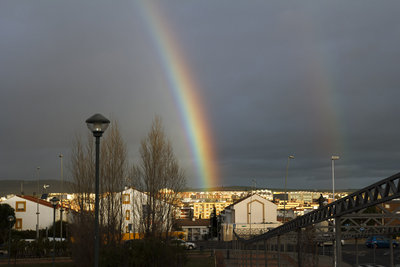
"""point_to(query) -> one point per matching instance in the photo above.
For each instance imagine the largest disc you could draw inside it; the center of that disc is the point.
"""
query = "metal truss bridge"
(348, 217)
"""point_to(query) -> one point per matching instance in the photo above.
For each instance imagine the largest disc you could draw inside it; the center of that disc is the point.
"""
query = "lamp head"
(291, 157)
(335, 157)
(10, 218)
(97, 124)
(54, 201)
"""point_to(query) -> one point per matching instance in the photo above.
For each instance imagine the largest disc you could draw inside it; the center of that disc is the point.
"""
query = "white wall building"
(134, 209)
(251, 215)
(25, 212)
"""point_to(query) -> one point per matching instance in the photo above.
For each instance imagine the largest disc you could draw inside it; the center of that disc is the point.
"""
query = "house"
(249, 216)
(194, 229)
(26, 208)
(135, 208)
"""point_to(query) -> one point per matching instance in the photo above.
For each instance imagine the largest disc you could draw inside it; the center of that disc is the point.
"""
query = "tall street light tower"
(97, 124)
(37, 206)
(335, 241)
(286, 195)
(61, 196)
(333, 176)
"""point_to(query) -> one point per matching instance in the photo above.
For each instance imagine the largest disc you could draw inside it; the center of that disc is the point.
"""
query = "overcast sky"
(277, 78)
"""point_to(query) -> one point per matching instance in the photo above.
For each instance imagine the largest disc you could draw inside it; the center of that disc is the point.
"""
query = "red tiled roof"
(36, 200)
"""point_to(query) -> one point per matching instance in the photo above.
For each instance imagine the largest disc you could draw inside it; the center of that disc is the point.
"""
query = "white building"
(25, 212)
(195, 229)
(249, 216)
(134, 208)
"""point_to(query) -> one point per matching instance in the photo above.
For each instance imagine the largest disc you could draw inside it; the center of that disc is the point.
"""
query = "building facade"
(26, 208)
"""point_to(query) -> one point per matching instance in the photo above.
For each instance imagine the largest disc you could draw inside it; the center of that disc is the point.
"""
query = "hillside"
(30, 186)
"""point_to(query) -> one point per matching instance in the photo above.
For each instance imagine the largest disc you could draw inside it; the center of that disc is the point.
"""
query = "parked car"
(3, 250)
(380, 242)
(183, 243)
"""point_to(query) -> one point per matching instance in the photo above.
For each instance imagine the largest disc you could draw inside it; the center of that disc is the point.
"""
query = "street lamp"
(335, 252)
(10, 220)
(62, 192)
(37, 207)
(97, 124)
(284, 201)
(54, 202)
(333, 176)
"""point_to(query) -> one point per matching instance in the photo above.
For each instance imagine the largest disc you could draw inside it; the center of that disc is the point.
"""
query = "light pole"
(54, 202)
(333, 176)
(286, 196)
(37, 208)
(97, 124)
(61, 200)
(10, 220)
(333, 158)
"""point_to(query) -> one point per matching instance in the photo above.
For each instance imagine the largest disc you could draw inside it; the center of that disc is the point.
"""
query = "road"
(366, 256)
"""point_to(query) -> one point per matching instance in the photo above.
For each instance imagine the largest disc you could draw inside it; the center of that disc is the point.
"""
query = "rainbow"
(184, 91)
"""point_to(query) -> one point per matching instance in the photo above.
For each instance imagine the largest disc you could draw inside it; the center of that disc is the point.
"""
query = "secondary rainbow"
(184, 90)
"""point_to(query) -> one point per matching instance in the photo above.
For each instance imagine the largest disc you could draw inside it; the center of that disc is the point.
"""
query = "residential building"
(134, 209)
(194, 230)
(25, 212)
(249, 216)
(203, 210)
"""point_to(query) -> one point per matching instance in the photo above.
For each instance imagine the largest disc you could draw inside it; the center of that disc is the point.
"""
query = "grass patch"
(200, 259)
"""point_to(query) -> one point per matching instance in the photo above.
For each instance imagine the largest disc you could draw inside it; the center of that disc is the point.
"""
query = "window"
(20, 206)
(18, 224)
(126, 198)
(128, 215)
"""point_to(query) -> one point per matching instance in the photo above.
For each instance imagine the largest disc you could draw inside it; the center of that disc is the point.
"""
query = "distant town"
(193, 208)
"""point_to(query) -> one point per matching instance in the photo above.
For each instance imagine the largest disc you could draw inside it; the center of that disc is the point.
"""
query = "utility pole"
(37, 209)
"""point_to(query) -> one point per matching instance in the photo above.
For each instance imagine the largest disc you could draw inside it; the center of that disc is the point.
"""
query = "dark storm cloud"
(307, 78)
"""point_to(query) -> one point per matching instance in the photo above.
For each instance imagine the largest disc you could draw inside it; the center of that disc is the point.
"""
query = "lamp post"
(54, 202)
(61, 200)
(286, 196)
(333, 176)
(10, 220)
(333, 158)
(97, 124)
(37, 207)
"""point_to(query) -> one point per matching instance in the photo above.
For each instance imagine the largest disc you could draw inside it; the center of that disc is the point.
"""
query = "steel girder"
(382, 191)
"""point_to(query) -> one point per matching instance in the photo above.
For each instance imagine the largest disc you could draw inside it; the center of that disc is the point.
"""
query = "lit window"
(18, 224)
(20, 206)
(128, 214)
(126, 198)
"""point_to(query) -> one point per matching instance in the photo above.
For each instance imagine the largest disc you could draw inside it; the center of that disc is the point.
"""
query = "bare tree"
(160, 177)
(114, 171)
(112, 176)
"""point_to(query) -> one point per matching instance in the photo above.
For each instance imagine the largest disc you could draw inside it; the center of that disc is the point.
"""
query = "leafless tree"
(159, 176)
(113, 172)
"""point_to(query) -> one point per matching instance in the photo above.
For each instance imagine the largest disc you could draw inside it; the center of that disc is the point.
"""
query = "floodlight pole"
(61, 196)
(37, 207)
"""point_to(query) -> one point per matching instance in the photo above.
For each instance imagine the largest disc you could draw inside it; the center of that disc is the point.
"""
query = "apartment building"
(203, 210)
